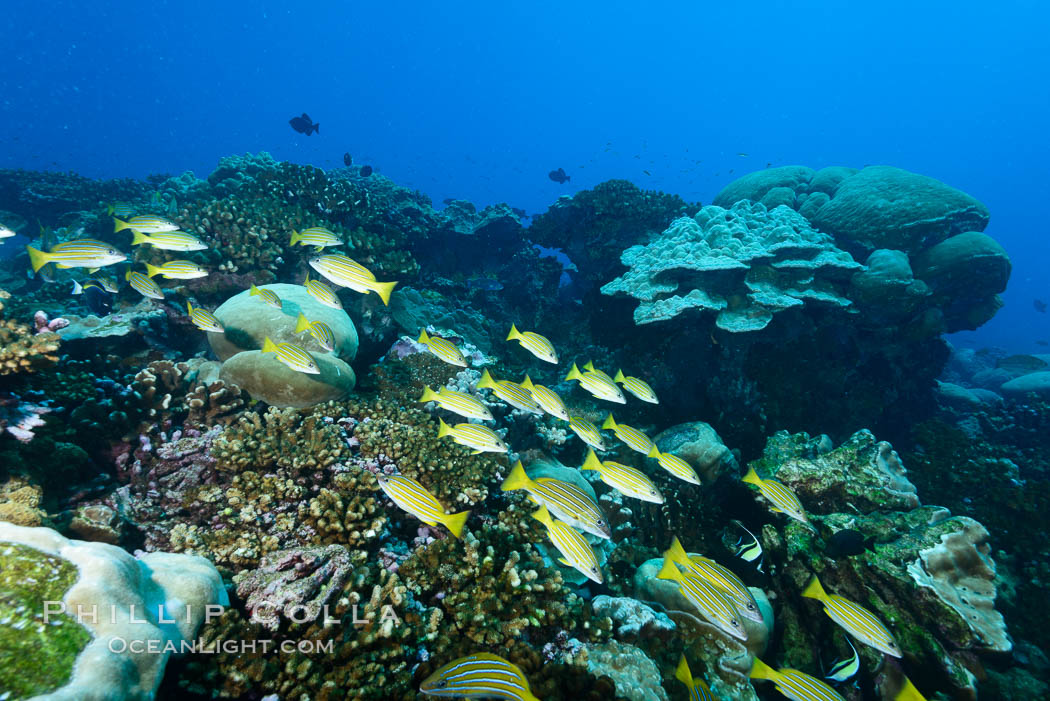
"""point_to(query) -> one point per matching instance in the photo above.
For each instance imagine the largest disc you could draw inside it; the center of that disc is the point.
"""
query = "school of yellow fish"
(565, 511)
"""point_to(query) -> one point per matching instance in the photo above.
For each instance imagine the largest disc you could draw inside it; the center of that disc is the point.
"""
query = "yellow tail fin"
(752, 477)
(127, 274)
(383, 289)
(609, 423)
(620, 378)
(454, 522)
(527, 383)
(254, 291)
(677, 553)
(296, 238)
(760, 670)
(683, 674)
(669, 571)
(517, 479)
(654, 452)
(591, 462)
(574, 373)
(514, 333)
(189, 308)
(543, 516)
(813, 590)
(38, 259)
(423, 337)
(269, 346)
(486, 381)
(152, 270)
(443, 428)
(908, 692)
(138, 238)
(301, 323)
(429, 395)
(588, 366)
(120, 225)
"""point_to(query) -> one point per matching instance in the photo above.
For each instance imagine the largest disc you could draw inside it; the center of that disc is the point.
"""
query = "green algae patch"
(35, 657)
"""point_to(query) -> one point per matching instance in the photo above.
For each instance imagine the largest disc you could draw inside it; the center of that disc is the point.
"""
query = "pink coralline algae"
(20, 418)
(44, 325)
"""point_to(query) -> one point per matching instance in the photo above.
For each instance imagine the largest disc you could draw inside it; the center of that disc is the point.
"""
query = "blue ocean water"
(480, 100)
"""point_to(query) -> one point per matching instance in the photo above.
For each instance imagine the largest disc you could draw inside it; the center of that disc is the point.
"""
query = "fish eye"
(735, 623)
(601, 522)
(442, 684)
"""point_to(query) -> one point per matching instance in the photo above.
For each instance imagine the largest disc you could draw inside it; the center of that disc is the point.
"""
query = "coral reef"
(22, 348)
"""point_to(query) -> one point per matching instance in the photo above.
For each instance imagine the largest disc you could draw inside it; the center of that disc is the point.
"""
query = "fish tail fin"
(669, 571)
(609, 423)
(254, 291)
(152, 270)
(514, 333)
(127, 274)
(591, 462)
(301, 323)
(110, 209)
(486, 381)
(38, 259)
(588, 366)
(383, 289)
(189, 307)
(760, 670)
(137, 238)
(269, 346)
(77, 288)
(574, 373)
(429, 395)
(517, 479)
(317, 128)
(120, 225)
(423, 337)
(677, 553)
(621, 379)
(443, 428)
(814, 590)
(683, 674)
(296, 238)
(751, 477)
(654, 452)
(908, 692)
(454, 522)
(527, 383)
(543, 516)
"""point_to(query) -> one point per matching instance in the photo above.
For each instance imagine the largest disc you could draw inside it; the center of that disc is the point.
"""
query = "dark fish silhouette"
(559, 176)
(1040, 305)
(519, 212)
(847, 542)
(347, 159)
(366, 171)
(1042, 343)
(304, 125)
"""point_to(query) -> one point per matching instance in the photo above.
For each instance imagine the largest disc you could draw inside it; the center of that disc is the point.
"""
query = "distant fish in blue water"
(559, 176)
(304, 125)
(1040, 305)
(348, 160)
(519, 212)
(366, 171)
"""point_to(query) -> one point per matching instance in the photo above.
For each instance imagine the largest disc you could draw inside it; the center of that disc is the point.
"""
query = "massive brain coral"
(744, 264)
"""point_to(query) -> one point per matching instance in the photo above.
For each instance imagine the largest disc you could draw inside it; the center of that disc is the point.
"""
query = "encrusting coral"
(21, 348)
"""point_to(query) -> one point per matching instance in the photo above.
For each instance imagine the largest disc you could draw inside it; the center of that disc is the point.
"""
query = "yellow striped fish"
(145, 224)
(145, 286)
(321, 331)
(315, 236)
(120, 209)
(675, 465)
(466, 405)
(712, 603)
(720, 576)
(268, 296)
(169, 241)
(81, 253)
(322, 293)
(638, 388)
(854, 618)
(624, 479)
(548, 399)
(587, 432)
(597, 383)
(631, 437)
(442, 348)
(510, 392)
(204, 320)
(534, 343)
(347, 272)
(566, 501)
(576, 551)
(293, 356)
(589, 367)
(177, 270)
(413, 497)
(109, 284)
(794, 684)
(481, 675)
(698, 688)
(783, 499)
(481, 438)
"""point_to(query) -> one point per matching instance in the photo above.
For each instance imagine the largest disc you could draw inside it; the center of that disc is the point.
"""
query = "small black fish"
(1042, 343)
(347, 159)
(647, 172)
(96, 298)
(559, 176)
(304, 125)
(366, 171)
(1040, 305)
(847, 542)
